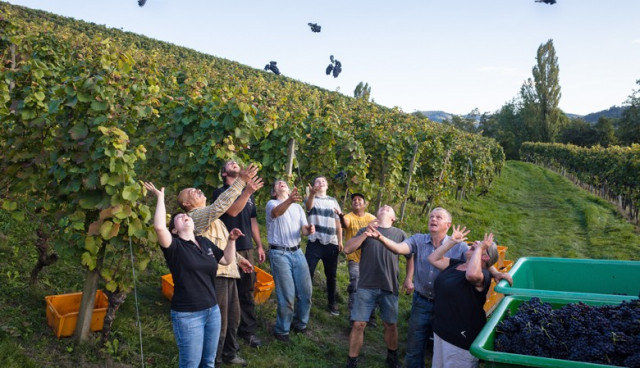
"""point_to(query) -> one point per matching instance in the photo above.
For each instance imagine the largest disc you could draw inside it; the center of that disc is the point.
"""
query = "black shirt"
(242, 221)
(458, 311)
(193, 269)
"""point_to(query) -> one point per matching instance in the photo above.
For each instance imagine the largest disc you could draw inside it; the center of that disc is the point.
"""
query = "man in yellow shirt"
(351, 223)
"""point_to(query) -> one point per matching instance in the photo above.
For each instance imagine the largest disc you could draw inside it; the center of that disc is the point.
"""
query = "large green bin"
(568, 278)
(483, 346)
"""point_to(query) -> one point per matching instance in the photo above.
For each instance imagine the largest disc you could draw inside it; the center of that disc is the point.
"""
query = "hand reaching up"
(248, 172)
(459, 235)
(488, 240)
(152, 188)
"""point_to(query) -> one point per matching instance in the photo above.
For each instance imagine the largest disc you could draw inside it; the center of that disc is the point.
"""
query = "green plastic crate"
(483, 346)
(568, 278)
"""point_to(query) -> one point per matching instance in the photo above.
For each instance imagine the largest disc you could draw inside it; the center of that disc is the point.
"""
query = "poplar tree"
(547, 88)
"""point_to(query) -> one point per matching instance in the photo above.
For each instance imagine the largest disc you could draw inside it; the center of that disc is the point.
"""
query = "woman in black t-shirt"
(193, 262)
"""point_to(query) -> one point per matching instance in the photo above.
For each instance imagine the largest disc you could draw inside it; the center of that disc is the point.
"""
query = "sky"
(418, 55)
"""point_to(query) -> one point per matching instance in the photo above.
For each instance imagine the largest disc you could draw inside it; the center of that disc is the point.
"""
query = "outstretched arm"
(160, 216)
(437, 258)
(397, 248)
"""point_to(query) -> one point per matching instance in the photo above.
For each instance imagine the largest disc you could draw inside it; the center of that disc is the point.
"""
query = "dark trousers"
(317, 251)
(248, 323)
(227, 295)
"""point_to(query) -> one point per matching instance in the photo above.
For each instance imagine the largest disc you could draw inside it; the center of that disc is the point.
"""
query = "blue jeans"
(419, 331)
(293, 289)
(197, 335)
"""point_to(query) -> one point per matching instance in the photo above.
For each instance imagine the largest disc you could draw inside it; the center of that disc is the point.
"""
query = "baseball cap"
(353, 195)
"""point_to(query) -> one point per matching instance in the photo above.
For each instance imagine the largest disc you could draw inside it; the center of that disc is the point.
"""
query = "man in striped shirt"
(326, 242)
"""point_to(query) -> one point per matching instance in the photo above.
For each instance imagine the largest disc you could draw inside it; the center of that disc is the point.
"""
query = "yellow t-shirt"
(355, 224)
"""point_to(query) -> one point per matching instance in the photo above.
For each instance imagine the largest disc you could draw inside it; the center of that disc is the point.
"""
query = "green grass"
(532, 211)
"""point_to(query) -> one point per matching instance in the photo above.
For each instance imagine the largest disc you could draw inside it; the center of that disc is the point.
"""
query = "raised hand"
(294, 196)
(459, 235)
(372, 230)
(338, 212)
(235, 234)
(152, 188)
(487, 241)
(248, 172)
(254, 184)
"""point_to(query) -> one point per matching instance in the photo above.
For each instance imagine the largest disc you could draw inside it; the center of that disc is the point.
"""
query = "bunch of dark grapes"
(596, 334)
(273, 67)
(314, 27)
(335, 67)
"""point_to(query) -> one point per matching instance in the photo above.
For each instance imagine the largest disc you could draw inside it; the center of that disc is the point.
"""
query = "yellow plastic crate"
(263, 287)
(62, 312)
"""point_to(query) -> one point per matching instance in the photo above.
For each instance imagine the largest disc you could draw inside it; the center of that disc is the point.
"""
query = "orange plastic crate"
(167, 286)
(62, 312)
(506, 265)
(502, 251)
(263, 287)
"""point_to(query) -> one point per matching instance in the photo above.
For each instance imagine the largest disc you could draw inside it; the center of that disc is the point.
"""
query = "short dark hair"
(172, 222)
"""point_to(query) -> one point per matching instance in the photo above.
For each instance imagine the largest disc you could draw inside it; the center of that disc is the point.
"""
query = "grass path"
(536, 212)
(532, 211)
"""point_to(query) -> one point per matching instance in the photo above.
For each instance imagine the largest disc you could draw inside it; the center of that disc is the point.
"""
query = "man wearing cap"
(351, 223)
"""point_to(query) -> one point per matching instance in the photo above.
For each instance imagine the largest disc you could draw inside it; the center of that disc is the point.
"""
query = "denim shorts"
(365, 301)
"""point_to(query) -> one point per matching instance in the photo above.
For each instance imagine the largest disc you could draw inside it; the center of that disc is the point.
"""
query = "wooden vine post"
(291, 153)
(406, 188)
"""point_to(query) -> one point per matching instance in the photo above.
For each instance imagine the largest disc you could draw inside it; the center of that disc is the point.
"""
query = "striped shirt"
(323, 217)
(204, 217)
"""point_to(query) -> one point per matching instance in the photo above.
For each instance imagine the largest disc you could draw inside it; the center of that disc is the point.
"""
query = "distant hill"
(437, 116)
(614, 112)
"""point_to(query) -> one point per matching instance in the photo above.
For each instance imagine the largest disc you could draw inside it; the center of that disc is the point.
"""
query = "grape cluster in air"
(607, 334)
(335, 67)
(273, 67)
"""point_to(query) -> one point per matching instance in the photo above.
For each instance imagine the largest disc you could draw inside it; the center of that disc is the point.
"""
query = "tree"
(547, 88)
(363, 91)
(605, 131)
(629, 126)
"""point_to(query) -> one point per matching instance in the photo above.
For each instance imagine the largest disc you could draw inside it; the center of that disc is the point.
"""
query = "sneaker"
(236, 360)
(392, 359)
(283, 338)
(253, 341)
(352, 362)
(301, 331)
(333, 309)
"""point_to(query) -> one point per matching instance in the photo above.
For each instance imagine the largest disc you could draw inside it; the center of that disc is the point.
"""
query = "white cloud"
(636, 41)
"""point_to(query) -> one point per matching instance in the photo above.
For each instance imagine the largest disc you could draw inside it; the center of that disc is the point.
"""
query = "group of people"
(209, 251)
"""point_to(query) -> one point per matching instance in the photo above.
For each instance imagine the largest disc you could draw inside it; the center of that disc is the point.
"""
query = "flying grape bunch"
(273, 67)
(141, 3)
(315, 28)
(335, 67)
(550, 2)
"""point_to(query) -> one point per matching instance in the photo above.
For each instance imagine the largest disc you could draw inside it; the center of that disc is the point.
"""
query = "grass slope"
(531, 210)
